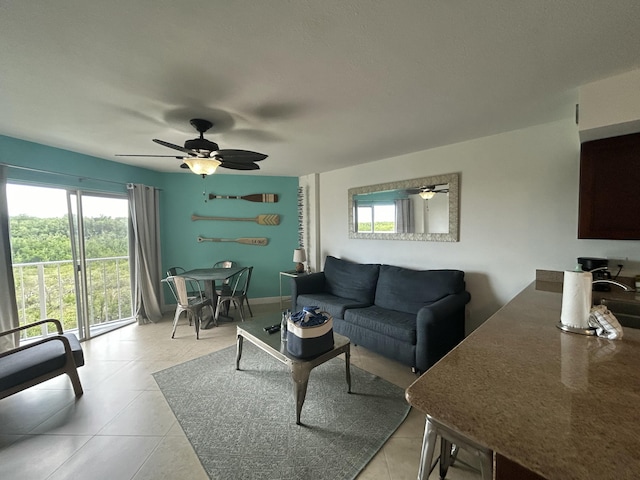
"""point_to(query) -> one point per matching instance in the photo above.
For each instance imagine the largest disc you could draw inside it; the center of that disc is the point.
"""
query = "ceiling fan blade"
(240, 155)
(240, 166)
(232, 166)
(175, 147)
(136, 155)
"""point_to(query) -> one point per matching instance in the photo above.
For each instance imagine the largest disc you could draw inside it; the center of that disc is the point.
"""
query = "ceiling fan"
(427, 192)
(203, 156)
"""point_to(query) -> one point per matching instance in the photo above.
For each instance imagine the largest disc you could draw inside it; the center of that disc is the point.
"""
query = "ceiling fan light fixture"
(427, 195)
(204, 156)
(202, 166)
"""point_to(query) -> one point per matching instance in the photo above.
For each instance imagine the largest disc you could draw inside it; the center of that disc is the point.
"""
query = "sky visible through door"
(30, 200)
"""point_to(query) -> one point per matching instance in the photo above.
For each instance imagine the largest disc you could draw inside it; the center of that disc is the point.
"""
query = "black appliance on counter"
(590, 264)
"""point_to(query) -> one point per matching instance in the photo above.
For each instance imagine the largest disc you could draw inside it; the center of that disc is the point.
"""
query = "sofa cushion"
(336, 306)
(376, 342)
(408, 290)
(398, 325)
(351, 280)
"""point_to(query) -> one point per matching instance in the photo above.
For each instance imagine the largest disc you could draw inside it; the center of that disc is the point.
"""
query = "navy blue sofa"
(412, 316)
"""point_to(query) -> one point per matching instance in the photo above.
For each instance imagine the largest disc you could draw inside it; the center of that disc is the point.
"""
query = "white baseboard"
(168, 307)
(259, 301)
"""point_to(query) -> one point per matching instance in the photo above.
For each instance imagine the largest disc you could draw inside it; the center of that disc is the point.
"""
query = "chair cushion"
(36, 361)
(351, 280)
(408, 290)
(398, 325)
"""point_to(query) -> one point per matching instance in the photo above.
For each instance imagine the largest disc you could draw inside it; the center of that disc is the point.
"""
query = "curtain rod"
(80, 178)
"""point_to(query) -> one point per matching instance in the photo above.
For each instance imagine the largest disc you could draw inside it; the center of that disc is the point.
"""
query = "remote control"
(274, 329)
(266, 329)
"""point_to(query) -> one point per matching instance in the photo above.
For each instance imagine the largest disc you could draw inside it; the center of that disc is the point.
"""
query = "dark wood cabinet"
(610, 188)
(506, 469)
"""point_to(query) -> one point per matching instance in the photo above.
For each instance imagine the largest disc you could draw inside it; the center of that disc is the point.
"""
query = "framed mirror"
(425, 209)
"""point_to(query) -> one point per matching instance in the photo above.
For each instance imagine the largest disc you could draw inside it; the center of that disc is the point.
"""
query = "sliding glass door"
(71, 259)
(100, 248)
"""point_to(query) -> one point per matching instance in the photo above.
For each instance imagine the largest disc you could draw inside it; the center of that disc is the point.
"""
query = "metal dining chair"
(225, 264)
(193, 286)
(236, 293)
(218, 289)
(192, 305)
(244, 296)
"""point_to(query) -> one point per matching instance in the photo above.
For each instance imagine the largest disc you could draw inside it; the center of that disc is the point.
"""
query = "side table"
(291, 274)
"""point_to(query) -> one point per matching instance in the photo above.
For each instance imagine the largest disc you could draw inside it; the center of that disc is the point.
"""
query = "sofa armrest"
(312, 283)
(440, 327)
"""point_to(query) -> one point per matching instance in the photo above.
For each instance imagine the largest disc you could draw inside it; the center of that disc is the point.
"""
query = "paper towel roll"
(576, 299)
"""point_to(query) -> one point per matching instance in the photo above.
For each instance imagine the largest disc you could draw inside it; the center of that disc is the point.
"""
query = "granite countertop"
(562, 405)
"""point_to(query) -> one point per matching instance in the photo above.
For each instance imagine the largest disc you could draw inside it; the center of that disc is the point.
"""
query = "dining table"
(209, 276)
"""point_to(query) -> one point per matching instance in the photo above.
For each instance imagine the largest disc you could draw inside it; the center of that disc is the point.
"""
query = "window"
(376, 218)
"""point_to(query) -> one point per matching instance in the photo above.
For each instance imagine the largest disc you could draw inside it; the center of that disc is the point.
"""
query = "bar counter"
(563, 406)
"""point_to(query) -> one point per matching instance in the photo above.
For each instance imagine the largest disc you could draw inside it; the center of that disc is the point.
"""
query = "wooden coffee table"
(253, 331)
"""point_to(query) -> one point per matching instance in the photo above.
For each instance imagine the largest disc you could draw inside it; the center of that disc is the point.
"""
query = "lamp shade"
(202, 166)
(299, 255)
(427, 195)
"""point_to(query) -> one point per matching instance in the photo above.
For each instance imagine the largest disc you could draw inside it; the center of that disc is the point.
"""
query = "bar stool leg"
(448, 437)
(428, 448)
(486, 465)
(445, 457)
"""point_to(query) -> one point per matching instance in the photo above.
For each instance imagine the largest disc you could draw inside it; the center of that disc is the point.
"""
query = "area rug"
(242, 423)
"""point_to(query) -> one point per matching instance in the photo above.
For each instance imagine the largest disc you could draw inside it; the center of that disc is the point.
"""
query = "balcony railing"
(47, 290)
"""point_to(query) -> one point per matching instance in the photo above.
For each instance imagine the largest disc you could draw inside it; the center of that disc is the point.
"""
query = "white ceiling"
(316, 85)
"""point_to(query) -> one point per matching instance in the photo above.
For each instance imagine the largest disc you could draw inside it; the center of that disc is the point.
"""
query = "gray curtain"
(404, 216)
(8, 308)
(145, 224)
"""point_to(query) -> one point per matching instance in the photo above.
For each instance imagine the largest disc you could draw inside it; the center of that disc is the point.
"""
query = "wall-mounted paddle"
(246, 241)
(263, 219)
(254, 197)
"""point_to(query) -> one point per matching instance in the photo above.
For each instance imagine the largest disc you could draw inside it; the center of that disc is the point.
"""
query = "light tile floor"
(122, 428)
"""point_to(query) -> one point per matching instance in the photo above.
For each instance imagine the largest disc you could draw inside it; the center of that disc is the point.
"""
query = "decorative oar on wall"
(247, 241)
(254, 197)
(264, 219)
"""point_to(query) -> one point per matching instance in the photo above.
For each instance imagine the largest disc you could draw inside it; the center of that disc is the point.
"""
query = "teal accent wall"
(82, 168)
(387, 196)
(186, 194)
(181, 196)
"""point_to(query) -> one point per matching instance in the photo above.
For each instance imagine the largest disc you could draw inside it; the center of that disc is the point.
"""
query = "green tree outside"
(377, 227)
(36, 240)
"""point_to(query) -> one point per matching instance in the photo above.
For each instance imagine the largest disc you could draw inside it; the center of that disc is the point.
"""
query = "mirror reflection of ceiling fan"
(427, 192)
(203, 156)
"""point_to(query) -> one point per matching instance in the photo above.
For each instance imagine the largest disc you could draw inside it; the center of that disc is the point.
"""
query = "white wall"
(518, 212)
(610, 107)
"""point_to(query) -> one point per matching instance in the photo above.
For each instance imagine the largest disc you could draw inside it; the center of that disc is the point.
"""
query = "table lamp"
(299, 256)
